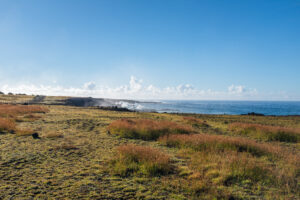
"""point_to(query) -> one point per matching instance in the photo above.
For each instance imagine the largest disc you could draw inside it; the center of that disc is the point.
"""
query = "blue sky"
(148, 49)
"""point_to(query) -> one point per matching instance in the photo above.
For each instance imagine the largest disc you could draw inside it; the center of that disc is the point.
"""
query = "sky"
(152, 49)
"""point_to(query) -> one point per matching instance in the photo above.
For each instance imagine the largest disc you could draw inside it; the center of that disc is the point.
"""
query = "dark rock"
(114, 108)
(254, 114)
(35, 136)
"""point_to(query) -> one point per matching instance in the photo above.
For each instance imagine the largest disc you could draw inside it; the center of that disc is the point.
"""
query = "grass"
(7, 125)
(9, 110)
(24, 132)
(217, 160)
(140, 159)
(265, 132)
(88, 163)
(10, 114)
(218, 143)
(53, 135)
(146, 129)
(195, 122)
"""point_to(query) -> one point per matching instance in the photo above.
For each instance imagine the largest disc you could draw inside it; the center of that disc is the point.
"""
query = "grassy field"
(88, 153)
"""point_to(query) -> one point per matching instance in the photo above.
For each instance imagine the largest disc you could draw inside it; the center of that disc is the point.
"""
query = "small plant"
(269, 133)
(146, 129)
(140, 159)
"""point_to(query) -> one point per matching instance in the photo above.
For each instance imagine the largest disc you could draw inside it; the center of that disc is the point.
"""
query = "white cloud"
(241, 90)
(135, 84)
(136, 90)
(89, 86)
(236, 89)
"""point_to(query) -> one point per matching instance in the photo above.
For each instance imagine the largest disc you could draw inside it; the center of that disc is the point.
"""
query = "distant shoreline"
(205, 107)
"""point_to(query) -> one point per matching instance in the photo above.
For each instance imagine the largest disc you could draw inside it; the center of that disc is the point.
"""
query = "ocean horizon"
(229, 107)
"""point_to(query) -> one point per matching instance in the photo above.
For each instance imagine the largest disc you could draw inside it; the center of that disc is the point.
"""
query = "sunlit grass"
(7, 125)
(146, 129)
(208, 143)
(9, 110)
(269, 133)
(224, 160)
(140, 159)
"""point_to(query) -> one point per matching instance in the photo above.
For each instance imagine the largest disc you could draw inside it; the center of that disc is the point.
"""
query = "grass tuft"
(209, 143)
(195, 122)
(265, 132)
(142, 160)
(24, 132)
(9, 110)
(7, 125)
(146, 129)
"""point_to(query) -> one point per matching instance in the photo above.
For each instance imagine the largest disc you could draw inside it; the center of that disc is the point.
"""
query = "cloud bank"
(135, 89)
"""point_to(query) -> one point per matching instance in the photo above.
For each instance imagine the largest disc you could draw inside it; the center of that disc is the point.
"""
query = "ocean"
(220, 107)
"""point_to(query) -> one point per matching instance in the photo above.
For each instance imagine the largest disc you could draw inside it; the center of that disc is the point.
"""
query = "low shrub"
(269, 133)
(142, 160)
(146, 129)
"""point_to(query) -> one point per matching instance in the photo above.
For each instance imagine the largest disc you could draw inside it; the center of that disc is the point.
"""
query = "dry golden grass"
(7, 125)
(66, 145)
(146, 129)
(271, 133)
(8, 110)
(206, 142)
(141, 159)
(24, 132)
(53, 135)
(9, 114)
(221, 160)
(32, 117)
(195, 121)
